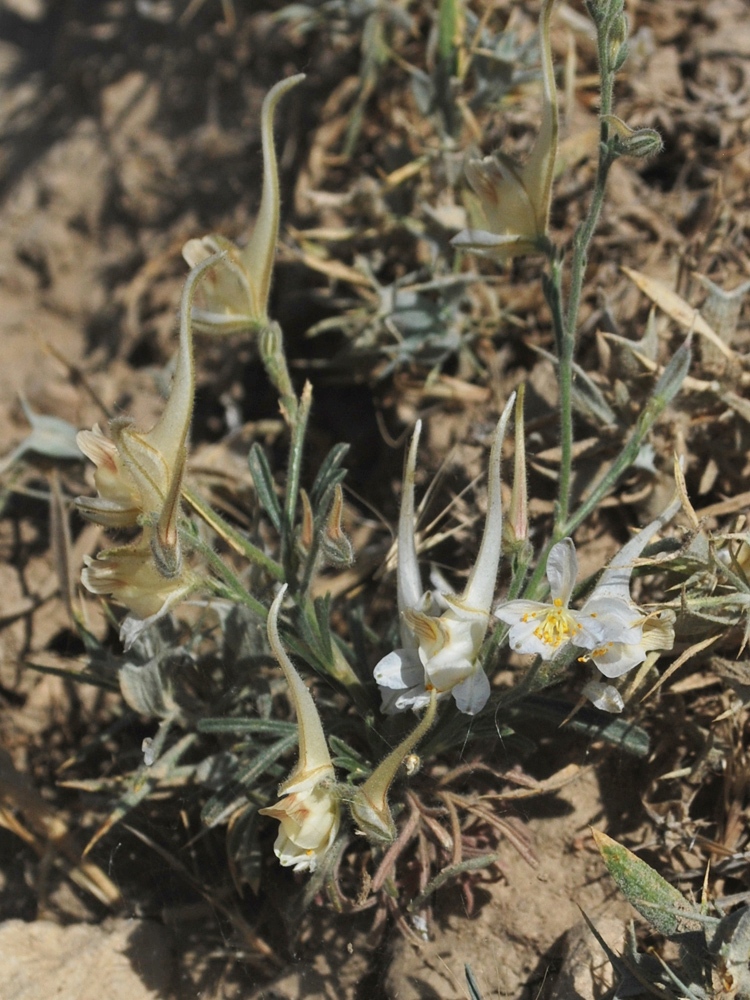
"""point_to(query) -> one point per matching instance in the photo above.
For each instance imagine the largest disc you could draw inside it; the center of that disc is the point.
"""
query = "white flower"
(309, 809)
(440, 651)
(545, 629)
(631, 633)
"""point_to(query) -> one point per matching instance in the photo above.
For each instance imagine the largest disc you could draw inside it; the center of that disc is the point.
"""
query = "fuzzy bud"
(627, 141)
(336, 546)
(618, 42)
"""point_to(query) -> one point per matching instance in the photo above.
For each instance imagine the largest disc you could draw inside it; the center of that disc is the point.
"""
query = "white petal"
(415, 698)
(515, 612)
(472, 694)
(481, 239)
(594, 631)
(616, 611)
(409, 584)
(617, 658)
(604, 696)
(562, 570)
(398, 670)
(523, 640)
(480, 587)
(615, 580)
(400, 676)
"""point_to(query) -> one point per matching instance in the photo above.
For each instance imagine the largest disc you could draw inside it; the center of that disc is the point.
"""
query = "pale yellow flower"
(235, 297)
(309, 808)
(515, 200)
(130, 575)
(139, 473)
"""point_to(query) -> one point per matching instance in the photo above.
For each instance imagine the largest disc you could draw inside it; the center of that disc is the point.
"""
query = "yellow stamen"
(558, 626)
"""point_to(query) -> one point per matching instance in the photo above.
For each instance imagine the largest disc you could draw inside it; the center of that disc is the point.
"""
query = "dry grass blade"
(390, 857)
(50, 833)
(501, 825)
(681, 661)
(61, 546)
(457, 855)
(554, 783)
(677, 308)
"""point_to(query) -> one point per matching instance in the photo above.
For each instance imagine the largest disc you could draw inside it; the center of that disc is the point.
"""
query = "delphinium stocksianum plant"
(346, 807)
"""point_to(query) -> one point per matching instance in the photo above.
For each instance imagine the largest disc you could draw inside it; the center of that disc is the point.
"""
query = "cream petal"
(472, 694)
(521, 611)
(617, 658)
(562, 570)
(604, 696)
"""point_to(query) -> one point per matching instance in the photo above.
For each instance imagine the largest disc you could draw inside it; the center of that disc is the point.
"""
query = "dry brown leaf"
(677, 308)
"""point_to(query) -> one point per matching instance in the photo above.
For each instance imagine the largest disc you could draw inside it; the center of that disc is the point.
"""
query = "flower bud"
(617, 43)
(517, 529)
(369, 806)
(336, 547)
(307, 528)
(627, 141)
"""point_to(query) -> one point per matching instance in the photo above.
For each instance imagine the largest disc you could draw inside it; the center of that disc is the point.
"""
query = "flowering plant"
(440, 651)
(357, 758)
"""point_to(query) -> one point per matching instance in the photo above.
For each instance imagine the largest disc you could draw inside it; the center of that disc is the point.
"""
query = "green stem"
(299, 429)
(229, 584)
(624, 460)
(566, 329)
(271, 346)
(231, 536)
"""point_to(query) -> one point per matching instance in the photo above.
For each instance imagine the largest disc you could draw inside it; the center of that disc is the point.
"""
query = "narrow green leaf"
(671, 379)
(472, 983)
(470, 865)
(243, 849)
(322, 607)
(79, 676)
(271, 727)
(247, 775)
(329, 474)
(260, 470)
(347, 759)
(221, 806)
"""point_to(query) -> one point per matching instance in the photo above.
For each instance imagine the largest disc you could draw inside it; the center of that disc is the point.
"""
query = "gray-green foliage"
(713, 950)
